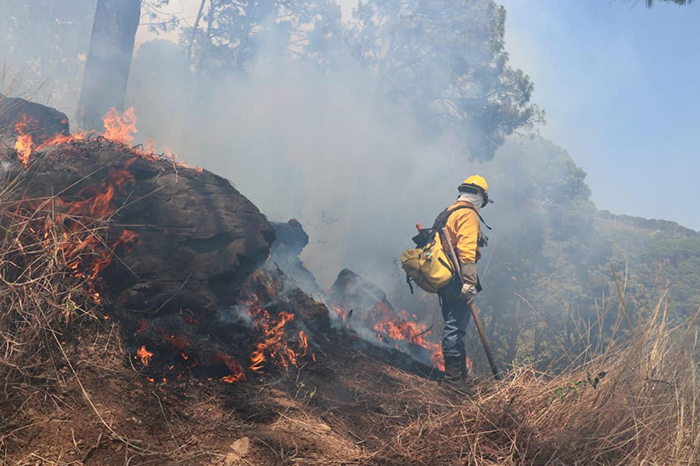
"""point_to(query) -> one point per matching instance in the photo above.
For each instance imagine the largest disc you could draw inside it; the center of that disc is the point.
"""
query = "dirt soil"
(346, 408)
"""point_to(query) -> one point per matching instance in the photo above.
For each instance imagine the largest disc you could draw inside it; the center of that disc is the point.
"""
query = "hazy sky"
(621, 87)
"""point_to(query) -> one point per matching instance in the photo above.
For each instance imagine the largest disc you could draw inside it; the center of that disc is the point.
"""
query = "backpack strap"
(482, 220)
(441, 219)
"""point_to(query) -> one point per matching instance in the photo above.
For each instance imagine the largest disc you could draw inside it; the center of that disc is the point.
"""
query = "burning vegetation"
(155, 321)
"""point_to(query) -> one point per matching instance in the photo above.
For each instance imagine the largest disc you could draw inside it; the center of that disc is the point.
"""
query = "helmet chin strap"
(475, 198)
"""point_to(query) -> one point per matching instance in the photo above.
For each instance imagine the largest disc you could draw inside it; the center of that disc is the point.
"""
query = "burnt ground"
(348, 407)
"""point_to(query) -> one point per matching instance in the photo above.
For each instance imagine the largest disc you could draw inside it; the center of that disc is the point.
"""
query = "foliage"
(237, 32)
(444, 62)
(650, 3)
(552, 255)
(574, 388)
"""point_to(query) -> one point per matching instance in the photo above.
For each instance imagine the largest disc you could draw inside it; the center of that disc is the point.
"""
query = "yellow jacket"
(463, 231)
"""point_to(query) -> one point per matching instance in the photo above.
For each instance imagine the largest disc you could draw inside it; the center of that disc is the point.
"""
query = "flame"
(340, 313)
(145, 355)
(120, 127)
(401, 326)
(303, 344)
(24, 142)
(273, 343)
(59, 139)
(237, 373)
(126, 238)
(75, 227)
(84, 249)
(394, 328)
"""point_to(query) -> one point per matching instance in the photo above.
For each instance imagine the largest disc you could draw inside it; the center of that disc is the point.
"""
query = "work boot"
(453, 378)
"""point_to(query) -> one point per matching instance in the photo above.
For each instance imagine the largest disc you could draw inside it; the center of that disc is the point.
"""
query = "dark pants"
(456, 314)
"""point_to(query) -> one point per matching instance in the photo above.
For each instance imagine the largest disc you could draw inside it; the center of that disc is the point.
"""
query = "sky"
(620, 85)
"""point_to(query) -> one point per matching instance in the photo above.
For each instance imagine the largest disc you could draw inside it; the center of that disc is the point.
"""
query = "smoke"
(326, 149)
(326, 145)
(44, 45)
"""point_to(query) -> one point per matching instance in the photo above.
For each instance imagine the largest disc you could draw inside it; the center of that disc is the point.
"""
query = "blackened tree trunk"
(109, 60)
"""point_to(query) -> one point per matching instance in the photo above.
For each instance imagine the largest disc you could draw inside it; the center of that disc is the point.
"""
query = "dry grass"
(39, 296)
(642, 411)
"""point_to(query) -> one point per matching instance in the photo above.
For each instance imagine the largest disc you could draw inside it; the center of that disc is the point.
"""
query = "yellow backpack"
(429, 266)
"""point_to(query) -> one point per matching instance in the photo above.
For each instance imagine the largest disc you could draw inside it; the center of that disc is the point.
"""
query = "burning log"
(350, 290)
(374, 317)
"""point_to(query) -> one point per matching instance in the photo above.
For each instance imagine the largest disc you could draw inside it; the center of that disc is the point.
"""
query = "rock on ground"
(198, 238)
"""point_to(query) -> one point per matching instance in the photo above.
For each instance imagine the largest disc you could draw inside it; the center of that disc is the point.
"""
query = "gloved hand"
(469, 279)
(467, 293)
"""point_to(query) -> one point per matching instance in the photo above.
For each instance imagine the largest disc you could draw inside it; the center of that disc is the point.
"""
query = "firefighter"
(464, 232)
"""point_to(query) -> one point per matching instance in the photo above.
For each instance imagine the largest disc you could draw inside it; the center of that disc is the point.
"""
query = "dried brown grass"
(48, 309)
(642, 411)
(39, 296)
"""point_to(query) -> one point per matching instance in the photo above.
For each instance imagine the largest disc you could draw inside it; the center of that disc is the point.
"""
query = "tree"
(109, 60)
(650, 3)
(236, 32)
(444, 62)
(44, 42)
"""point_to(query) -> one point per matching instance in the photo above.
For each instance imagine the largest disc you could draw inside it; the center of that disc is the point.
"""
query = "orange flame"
(24, 142)
(397, 327)
(303, 344)
(145, 355)
(273, 343)
(120, 127)
(84, 249)
(340, 313)
(237, 373)
(117, 128)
